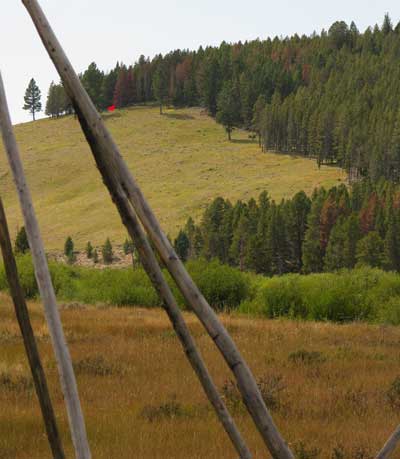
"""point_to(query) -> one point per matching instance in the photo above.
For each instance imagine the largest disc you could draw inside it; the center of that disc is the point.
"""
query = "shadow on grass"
(108, 116)
(243, 141)
(178, 116)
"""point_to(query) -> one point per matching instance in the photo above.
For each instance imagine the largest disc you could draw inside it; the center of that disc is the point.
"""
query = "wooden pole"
(63, 358)
(154, 272)
(390, 445)
(22, 313)
(111, 164)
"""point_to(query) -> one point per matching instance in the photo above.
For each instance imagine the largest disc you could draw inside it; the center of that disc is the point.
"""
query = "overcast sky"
(105, 31)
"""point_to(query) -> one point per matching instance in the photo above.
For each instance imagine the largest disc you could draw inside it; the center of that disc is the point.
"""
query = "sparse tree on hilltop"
(32, 98)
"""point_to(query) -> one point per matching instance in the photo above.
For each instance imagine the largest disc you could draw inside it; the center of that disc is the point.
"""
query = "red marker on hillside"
(111, 108)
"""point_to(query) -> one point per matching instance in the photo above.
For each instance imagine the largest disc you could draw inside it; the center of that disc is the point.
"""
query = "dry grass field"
(330, 387)
(182, 160)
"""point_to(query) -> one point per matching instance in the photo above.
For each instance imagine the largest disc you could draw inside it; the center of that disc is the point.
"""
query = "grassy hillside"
(331, 388)
(182, 160)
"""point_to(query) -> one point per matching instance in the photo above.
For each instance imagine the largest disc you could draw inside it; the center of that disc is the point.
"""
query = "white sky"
(105, 31)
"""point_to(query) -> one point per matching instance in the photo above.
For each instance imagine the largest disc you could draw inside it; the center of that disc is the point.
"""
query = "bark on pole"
(390, 445)
(24, 322)
(111, 164)
(63, 358)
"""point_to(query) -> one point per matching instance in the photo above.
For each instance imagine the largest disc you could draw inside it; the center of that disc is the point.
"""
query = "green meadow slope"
(182, 160)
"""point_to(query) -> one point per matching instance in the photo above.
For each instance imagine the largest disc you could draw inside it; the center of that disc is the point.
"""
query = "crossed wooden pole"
(139, 219)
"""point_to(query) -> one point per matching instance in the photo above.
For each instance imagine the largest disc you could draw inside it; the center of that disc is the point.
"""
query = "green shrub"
(223, 287)
(27, 275)
(122, 287)
(360, 294)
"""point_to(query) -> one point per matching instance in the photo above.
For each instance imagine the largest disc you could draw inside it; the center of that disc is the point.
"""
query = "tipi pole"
(67, 377)
(114, 166)
(154, 272)
(390, 445)
(22, 313)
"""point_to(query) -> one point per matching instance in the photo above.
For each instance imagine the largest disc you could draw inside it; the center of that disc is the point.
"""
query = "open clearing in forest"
(181, 160)
(329, 386)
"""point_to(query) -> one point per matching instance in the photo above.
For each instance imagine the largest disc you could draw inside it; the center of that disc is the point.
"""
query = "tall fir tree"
(32, 99)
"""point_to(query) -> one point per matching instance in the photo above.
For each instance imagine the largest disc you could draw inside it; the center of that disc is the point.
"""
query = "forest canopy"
(331, 96)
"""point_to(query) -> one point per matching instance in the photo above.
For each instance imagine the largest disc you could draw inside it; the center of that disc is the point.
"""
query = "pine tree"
(89, 250)
(68, 246)
(296, 217)
(181, 245)
(228, 108)
(92, 80)
(392, 242)
(387, 25)
(160, 84)
(312, 250)
(239, 246)
(32, 99)
(353, 235)
(370, 251)
(121, 96)
(21, 242)
(107, 252)
(277, 242)
(257, 121)
(334, 257)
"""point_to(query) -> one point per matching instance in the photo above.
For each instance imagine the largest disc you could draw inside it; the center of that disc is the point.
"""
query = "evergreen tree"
(107, 252)
(129, 248)
(160, 84)
(21, 242)
(239, 246)
(89, 250)
(68, 246)
(228, 108)
(257, 122)
(334, 258)
(353, 235)
(217, 230)
(32, 99)
(312, 250)
(121, 95)
(370, 250)
(182, 245)
(392, 242)
(92, 80)
(296, 217)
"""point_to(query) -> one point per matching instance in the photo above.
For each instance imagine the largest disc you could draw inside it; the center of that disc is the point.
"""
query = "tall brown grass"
(331, 388)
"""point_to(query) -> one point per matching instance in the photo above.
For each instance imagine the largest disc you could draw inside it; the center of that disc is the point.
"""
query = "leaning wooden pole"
(22, 313)
(64, 363)
(156, 276)
(111, 164)
(390, 445)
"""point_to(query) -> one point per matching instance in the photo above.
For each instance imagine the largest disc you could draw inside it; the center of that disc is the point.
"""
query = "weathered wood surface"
(64, 363)
(390, 445)
(24, 322)
(111, 164)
